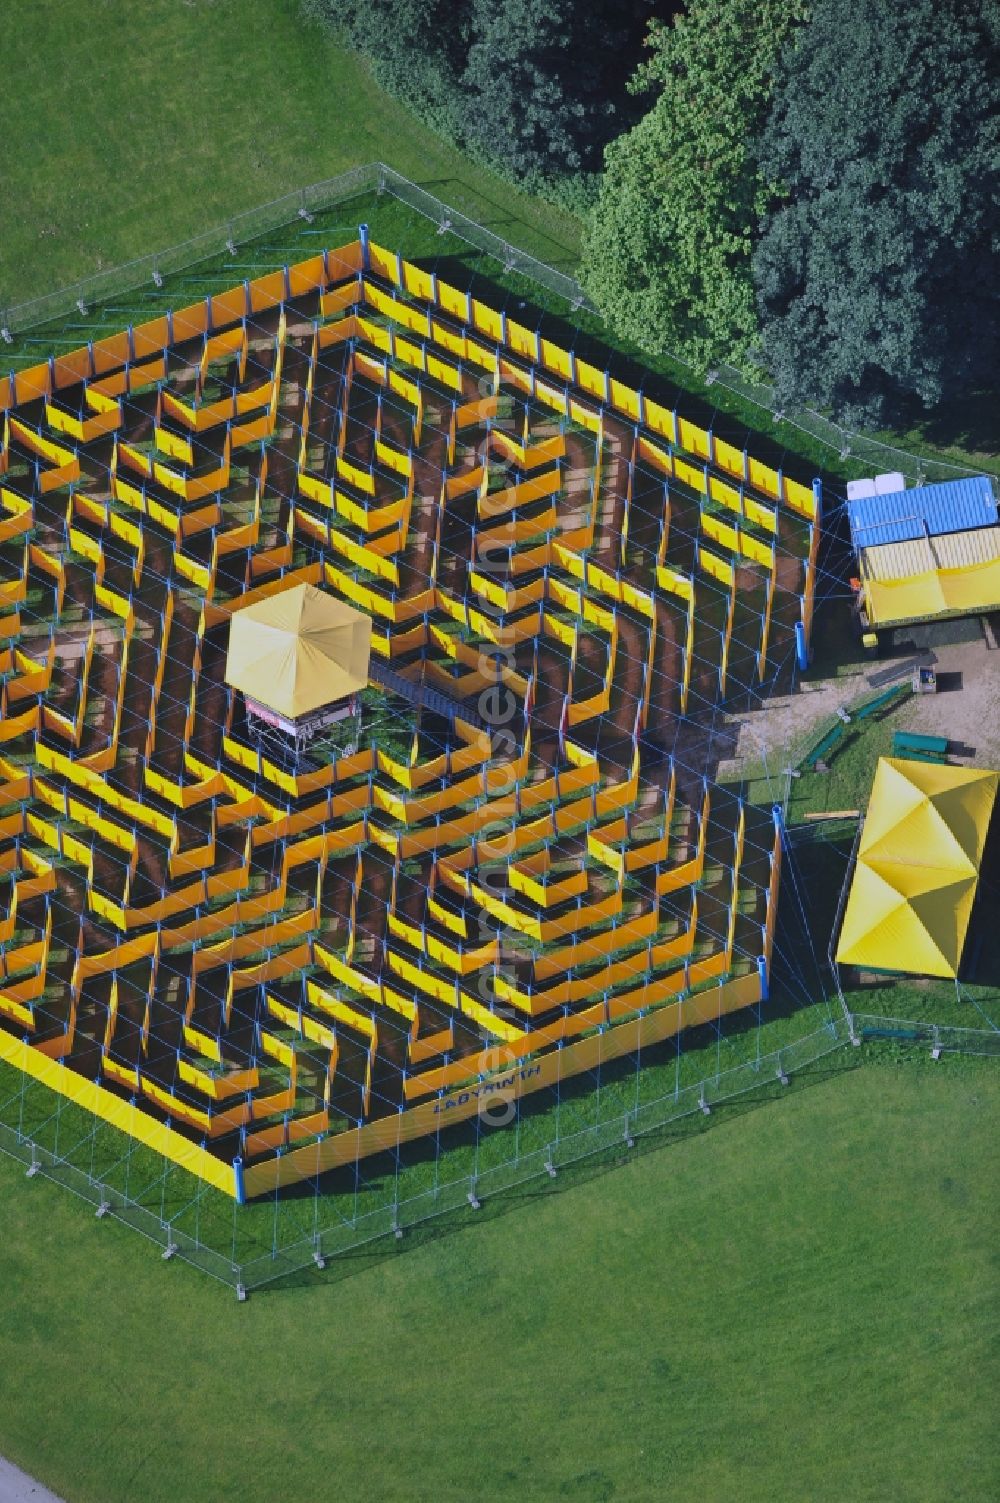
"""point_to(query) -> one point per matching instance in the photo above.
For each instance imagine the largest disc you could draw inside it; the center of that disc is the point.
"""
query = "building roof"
(950, 550)
(950, 506)
(917, 868)
(298, 651)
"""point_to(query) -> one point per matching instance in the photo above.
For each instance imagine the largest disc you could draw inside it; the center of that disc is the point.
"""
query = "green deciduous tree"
(536, 87)
(544, 80)
(878, 277)
(667, 251)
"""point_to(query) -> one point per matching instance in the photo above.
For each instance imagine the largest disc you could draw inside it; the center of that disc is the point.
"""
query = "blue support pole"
(363, 237)
(818, 497)
(241, 1194)
(801, 649)
(765, 992)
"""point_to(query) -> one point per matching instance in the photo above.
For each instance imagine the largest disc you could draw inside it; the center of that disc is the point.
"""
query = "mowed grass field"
(798, 1303)
(129, 125)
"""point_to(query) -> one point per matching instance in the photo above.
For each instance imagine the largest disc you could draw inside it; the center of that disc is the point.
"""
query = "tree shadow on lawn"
(970, 422)
(501, 220)
(578, 1098)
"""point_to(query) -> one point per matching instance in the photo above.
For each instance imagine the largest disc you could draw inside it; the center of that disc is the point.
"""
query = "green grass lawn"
(125, 128)
(796, 1302)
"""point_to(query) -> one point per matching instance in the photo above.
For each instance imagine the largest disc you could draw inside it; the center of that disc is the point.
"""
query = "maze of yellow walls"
(263, 971)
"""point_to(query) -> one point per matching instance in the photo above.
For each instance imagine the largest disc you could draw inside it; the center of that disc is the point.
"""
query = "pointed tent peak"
(915, 880)
(920, 840)
(318, 610)
(944, 913)
(964, 798)
(298, 650)
(966, 809)
(873, 903)
(880, 925)
(930, 814)
(894, 797)
(911, 879)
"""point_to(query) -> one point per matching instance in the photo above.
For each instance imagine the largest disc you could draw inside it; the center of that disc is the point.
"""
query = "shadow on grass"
(502, 221)
(970, 422)
(591, 1100)
(585, 1171)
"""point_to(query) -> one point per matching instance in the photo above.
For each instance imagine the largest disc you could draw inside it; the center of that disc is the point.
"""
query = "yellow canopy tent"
(298, 651)
(917, 868)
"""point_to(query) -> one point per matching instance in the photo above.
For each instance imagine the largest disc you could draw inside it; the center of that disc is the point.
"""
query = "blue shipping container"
(903, 516)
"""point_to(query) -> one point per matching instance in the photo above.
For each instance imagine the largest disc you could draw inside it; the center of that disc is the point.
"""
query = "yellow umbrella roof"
(918, 864)
(298, 651)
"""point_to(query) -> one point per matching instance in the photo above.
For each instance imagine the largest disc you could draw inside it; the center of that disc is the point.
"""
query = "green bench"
(822, 747)
(919, 748)
(889, 697)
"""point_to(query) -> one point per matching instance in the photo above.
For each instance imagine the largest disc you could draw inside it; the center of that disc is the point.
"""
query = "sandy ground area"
(17, 1487)
(966, 710)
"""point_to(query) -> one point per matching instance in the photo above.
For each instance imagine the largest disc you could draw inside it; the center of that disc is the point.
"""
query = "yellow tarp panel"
(937, 592)
(917, 868)
(298, 650)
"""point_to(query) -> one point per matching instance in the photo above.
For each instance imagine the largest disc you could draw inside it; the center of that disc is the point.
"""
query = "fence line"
(864, 452)
(150, 269)
(620, 1132)
(171, 1240)
(943, 1038)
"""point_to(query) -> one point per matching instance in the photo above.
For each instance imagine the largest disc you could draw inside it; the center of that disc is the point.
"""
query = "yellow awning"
(298, 651)
(936, 592)
(918, 864)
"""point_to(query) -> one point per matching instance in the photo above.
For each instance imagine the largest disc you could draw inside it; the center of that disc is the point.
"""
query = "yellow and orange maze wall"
(264, 971)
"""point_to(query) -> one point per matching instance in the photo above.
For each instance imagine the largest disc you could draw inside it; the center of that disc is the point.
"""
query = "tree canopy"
(667, 251)
(416, 48)
(812, 190)
(544, 80)
(534, 86)
(877, 277)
